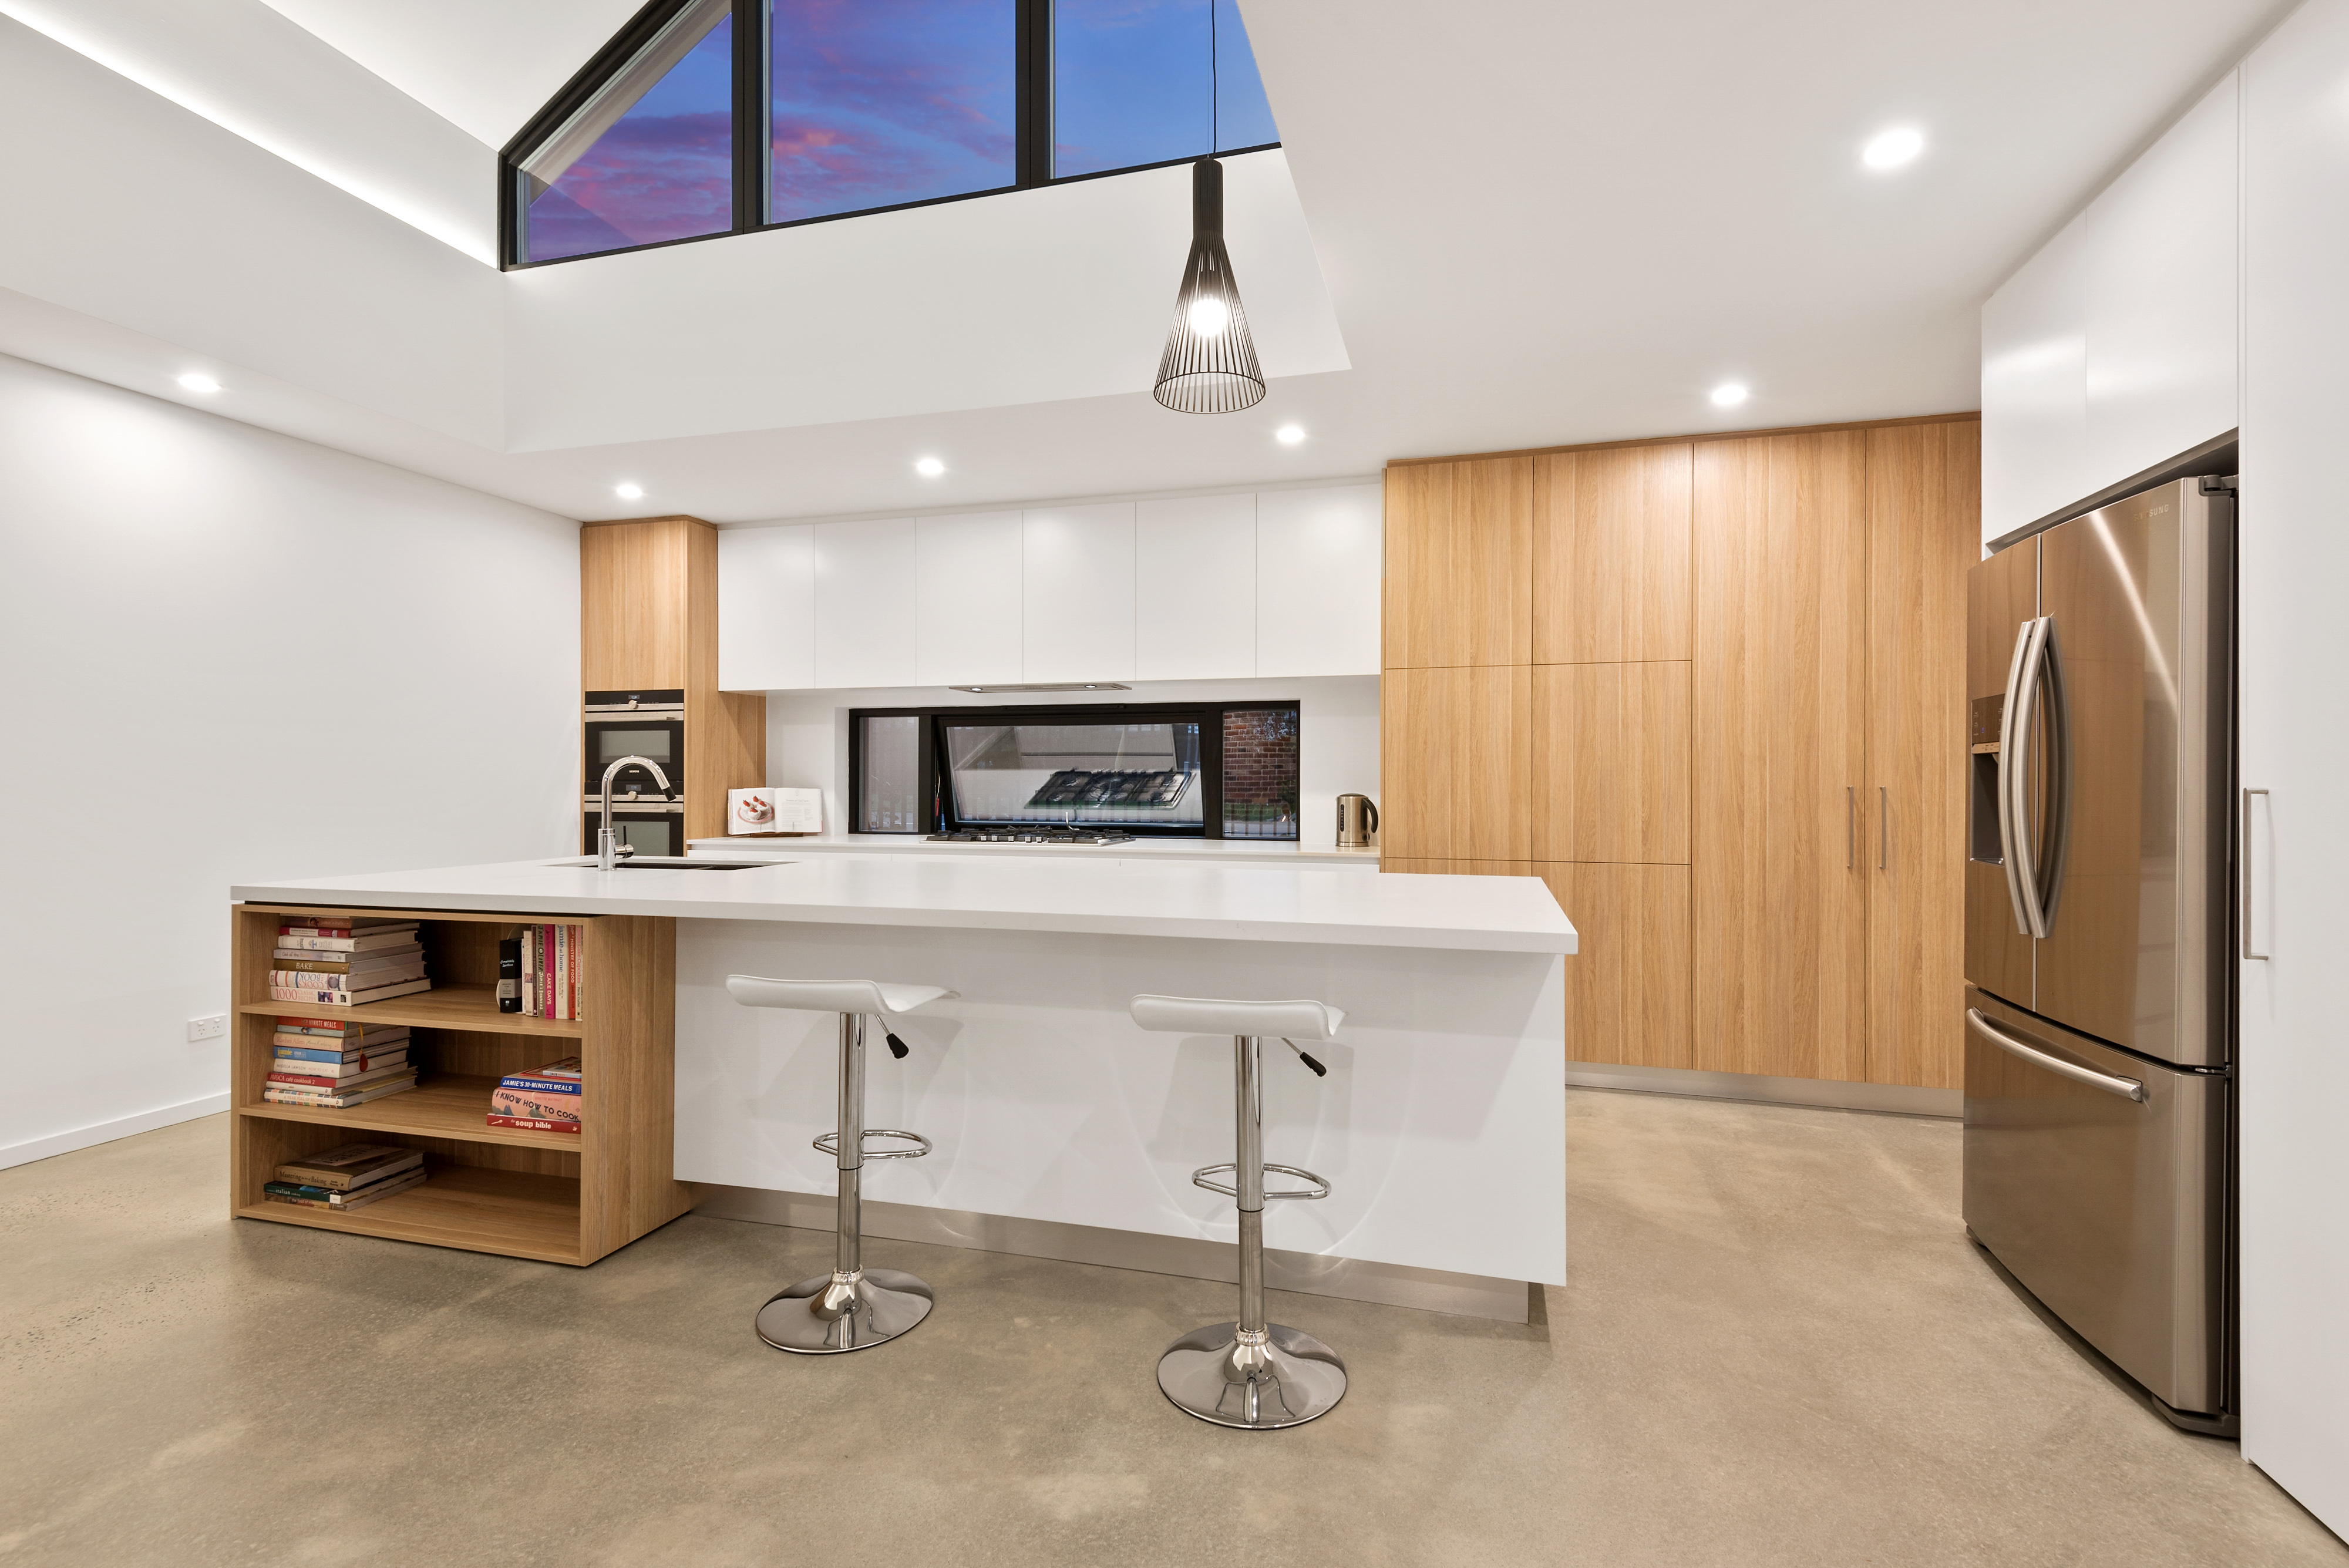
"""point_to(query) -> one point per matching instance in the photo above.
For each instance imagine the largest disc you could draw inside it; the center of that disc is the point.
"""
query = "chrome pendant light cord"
(1209, 366)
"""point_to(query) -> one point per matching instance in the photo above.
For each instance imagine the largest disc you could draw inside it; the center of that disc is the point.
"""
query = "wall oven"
(644, 723)
(635, 724)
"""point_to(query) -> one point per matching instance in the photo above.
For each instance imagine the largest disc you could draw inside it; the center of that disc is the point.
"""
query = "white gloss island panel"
(1440, 1126)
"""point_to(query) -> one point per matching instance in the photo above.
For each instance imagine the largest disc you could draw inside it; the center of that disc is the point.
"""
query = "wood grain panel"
(1628, 983)
(1456, 763)
(1611, 554)
(632, 606)
(1610, 762)
(627, 1184)
(1456, 868)
(1779, 898)
(1459, 552)
(1924, 535)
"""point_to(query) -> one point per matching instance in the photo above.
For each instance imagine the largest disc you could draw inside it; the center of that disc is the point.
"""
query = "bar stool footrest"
(830, 1143)
(1321, 1184)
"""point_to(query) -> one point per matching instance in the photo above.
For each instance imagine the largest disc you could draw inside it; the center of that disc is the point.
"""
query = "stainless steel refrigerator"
(2099, 1016)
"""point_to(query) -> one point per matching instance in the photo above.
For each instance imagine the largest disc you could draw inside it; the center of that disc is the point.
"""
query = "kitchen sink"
(670, 863)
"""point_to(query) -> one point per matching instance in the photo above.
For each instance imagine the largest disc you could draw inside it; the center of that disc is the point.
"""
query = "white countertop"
(1287, 903)
(1228, 851)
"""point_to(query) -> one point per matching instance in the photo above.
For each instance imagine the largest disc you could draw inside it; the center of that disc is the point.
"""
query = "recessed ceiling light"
(1290, 435)
(1728, 395)
(929, 467)
(1891, 148)
(196, 381)
(629, 492)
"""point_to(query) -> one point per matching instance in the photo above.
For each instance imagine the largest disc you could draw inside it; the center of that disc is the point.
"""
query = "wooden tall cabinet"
(648, 618)
(1711, 691)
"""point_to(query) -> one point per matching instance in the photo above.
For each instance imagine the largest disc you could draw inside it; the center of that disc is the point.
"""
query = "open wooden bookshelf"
(561, 1197)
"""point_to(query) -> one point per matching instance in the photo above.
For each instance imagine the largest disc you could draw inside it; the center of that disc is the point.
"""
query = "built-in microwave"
(639, 724)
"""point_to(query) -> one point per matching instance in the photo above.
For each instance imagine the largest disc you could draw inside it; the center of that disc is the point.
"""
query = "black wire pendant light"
(1209, 366)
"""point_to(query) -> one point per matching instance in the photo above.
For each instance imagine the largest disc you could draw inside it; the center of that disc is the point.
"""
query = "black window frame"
(930, 767)
(754, 151)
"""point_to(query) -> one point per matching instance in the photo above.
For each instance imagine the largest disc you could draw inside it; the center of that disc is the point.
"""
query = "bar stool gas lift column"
(853, 1307)
(1250, 1372)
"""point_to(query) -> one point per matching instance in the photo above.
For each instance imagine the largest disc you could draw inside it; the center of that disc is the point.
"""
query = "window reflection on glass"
(650, 156)
(887, 101)
(1126, 774)
(1146, 81)
(891, 798)
(1260, 772)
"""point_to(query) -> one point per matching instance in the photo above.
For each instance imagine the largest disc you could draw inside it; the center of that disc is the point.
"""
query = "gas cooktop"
(1038, 834)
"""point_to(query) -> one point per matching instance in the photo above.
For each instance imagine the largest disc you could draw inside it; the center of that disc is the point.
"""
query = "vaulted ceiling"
(1494, 224)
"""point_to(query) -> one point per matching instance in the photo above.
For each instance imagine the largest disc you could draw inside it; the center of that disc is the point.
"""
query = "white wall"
(2115, 347)
(1338, 743)
(2294, 643)
(235, 657)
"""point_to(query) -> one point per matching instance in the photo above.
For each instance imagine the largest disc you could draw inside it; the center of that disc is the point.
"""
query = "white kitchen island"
(1062, 1129)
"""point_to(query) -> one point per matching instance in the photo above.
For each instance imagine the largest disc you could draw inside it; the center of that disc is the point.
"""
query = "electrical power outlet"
(212, 1026)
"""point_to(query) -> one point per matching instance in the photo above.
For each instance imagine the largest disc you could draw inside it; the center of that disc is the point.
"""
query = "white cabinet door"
(2294, 640)
(968, 599)
(864, 605)
(1076, 590)
(1320, 559)
(2034, 387)
(1194, 588)
(2162, 339)
(766, 608)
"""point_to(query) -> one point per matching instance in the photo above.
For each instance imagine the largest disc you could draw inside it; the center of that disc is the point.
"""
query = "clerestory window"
(713, 116)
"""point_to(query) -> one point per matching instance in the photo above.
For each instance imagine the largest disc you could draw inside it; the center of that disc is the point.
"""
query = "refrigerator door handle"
(2126, 1088)
(2011, 769)
(2048, 874)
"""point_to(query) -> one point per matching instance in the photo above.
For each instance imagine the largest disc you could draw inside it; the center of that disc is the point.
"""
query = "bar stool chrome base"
(1282, 1377)
(834, 1314)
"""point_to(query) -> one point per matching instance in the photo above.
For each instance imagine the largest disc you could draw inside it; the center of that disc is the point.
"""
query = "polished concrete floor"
(1777, 1347)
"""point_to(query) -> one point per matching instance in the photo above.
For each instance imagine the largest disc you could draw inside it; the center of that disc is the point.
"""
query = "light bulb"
(1891, 148)
(196, 381)
(1728, 395)
(629, 492)
(929, 467)
(1290, 435)
(1209, 316)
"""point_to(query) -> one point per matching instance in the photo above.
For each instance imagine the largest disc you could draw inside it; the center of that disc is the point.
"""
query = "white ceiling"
(484, 65)
(1538, 222)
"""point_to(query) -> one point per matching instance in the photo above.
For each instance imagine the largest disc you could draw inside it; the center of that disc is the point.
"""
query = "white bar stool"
(1250, 1372)
(853, 1307)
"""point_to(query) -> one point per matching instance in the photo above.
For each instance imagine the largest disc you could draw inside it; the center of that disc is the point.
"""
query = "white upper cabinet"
(2117, 346)
(864, 603)
(1194, 588)
(1076, 589)
(968, 599)
(1319, 556)
(1216, 588)
(766, 608)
